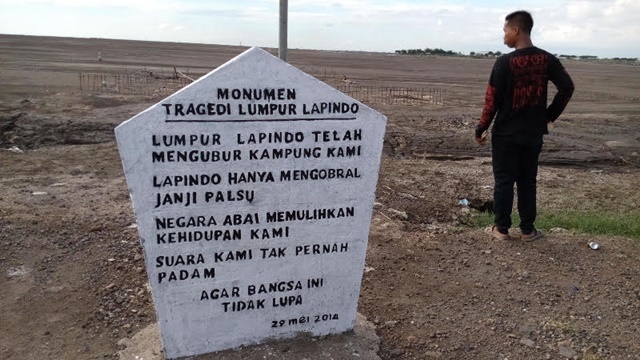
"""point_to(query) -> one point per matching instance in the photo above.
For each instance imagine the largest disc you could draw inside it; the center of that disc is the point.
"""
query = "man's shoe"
(532, 236)
(493, 231)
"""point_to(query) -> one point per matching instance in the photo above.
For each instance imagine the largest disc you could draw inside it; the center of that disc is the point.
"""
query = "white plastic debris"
(19, 271)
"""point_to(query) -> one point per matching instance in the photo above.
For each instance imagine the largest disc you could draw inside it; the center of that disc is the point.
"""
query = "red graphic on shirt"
(489, 107)
(529, 80)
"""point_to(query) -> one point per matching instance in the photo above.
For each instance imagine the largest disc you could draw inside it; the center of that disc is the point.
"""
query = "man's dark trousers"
(515, 161)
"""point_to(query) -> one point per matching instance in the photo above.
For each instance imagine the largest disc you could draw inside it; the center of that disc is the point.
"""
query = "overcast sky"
(605, 28)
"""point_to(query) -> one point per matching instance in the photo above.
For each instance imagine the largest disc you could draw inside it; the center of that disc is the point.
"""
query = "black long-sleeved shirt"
(517, 93)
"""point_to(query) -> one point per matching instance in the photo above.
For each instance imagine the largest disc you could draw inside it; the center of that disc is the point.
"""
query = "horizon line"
(394, 52)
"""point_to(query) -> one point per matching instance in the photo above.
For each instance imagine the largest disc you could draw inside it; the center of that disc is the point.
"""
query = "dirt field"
(72, 272)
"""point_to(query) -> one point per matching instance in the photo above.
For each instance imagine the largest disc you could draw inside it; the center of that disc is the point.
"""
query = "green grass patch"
(595, 223)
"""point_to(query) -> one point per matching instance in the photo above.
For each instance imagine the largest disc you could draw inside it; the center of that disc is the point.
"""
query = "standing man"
(517, 93)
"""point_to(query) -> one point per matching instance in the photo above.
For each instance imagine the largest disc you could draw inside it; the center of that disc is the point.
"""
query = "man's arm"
(492, 101)
(561, 79)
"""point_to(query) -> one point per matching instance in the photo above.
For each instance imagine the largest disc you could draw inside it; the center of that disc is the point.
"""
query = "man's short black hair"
(521, 19)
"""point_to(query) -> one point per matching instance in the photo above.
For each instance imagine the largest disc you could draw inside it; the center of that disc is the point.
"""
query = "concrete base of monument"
(363, 343)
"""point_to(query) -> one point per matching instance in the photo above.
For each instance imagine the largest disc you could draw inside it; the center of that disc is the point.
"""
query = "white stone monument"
(253, 190)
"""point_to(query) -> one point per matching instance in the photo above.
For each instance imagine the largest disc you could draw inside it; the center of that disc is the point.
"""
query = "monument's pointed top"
(255, 55)
(253, 51)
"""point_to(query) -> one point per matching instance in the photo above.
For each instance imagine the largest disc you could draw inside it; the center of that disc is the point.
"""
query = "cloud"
(602, 26)
(138, 4)
(599, 25)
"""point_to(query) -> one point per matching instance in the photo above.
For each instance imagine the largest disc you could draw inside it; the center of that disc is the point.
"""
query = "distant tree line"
(592, 57)
(581, 57)
(427, 51)
(485, 54)
(625, 59)
(442, 52)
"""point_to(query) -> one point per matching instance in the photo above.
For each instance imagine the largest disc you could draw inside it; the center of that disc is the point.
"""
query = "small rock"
(396, 352)
(565, 343)
(558, 230)
(433, 354)
(138, 257)
(17, 272)
(412, 339)
(398, 214)
(408, 196)
(528, 342)
(567, 352)
(390, 323)
(110, 286)
(124, 342)
(618, 144)
(526, 328)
